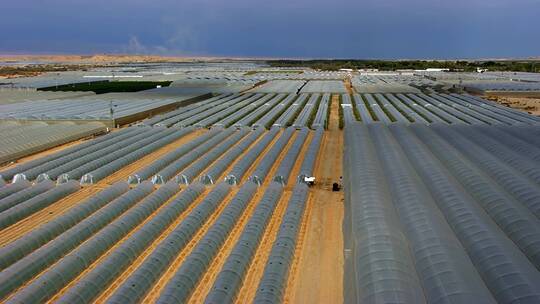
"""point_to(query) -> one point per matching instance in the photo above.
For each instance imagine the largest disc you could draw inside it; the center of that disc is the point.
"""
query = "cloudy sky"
(274, 28)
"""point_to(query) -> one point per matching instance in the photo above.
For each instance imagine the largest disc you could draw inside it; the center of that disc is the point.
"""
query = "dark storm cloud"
(316, 28)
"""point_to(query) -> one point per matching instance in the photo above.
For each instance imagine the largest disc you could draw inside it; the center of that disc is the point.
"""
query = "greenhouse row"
(278, 185)
(113, 229)
(97, 158)
(441, 213)
(20, 139)
(86, 108)
(248, 109)
(452, 109)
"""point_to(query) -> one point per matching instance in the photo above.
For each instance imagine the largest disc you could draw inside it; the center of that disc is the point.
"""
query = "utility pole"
(112, 113)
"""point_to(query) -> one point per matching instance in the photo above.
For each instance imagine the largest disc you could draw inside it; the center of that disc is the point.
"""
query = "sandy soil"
(156, 290)
(348, 86)
(256, 268)
(141, 258)
(103, 256)
(255, 273)
(208, 279)
(45, 215)
(184, 253)
(48, 152)
(119, 174)
(13, 232)
(104, 59)
(152, 296)
(213, 270)
(132, 168)
(318, 275)
(530, 105)
(92, 59)
(170, 272)
(210, 275)
(90, 267)
(35, 65)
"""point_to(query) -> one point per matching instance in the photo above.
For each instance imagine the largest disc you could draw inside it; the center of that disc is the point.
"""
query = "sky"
(381, 29)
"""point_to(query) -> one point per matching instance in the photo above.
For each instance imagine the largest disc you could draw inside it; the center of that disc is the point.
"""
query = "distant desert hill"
(99, 59)
(12, 66)
(92, 59)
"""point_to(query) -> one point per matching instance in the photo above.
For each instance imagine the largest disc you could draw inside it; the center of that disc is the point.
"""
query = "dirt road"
(317, 274)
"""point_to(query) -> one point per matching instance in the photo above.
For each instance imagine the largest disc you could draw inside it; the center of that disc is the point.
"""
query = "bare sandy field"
(527, 104)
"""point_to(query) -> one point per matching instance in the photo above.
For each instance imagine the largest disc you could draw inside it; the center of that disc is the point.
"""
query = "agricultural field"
(324, 86)
(14, 95)
(19, 139)
(456, 205)
(84, 108)
(382, 84)
(291, 187)
(433, 108)
(281, 86)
